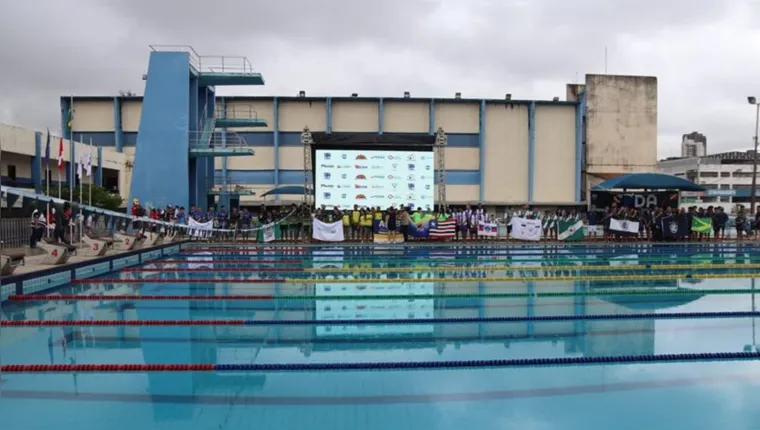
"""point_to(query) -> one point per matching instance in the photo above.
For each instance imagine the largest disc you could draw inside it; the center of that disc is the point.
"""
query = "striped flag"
(442, 229)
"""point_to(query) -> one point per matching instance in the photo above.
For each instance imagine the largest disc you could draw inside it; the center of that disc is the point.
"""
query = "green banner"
(269, 232)
(571, 230)
(701, 225)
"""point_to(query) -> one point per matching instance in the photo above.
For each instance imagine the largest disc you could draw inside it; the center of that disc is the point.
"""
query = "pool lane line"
(628, 277)
(313, 297)
(456, 269)
(405, 365)
(393, 339)
(405, 256)
(381, 321)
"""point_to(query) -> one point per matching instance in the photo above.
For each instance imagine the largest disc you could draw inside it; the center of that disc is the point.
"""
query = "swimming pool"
(501, 337)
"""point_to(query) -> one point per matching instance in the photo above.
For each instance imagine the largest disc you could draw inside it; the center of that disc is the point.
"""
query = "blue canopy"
(287, 190)
(648, 181)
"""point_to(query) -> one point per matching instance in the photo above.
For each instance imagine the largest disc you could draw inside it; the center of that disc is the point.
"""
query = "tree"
(101, 197)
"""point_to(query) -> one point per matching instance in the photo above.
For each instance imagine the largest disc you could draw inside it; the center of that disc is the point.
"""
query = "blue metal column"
(118, 131)
(531, 305)
(276, 140)
(380, 115)
(580, 111)
(224, 197)
(431, 117)
(531, 148)
(482, 150)
(328, 126)
(37, 163)
(99, 172)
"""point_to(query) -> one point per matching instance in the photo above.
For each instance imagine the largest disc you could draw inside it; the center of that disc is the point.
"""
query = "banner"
(442, 229)
(199, 229)
(604, 199)
(269, 233)
(381, 234)
(701, 225)
(325, 232)
(488, 229)
(675, 226)
(526, 229)
(570, 230)
(624, 227)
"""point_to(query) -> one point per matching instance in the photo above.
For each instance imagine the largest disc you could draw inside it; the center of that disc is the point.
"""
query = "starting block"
(152, 239)
(94, 247)
(123, 242)
(56, 253)
(170, 237)
(6, 268)
(9, 260)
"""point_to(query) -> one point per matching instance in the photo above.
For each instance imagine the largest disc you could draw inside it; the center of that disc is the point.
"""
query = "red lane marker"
(252, 251)
(226, 269)
(176, 281)
(114, 323)
(40, 368)
(98, 297)
(210, 260)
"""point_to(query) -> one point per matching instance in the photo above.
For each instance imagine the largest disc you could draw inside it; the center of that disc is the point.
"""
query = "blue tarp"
(648, 181)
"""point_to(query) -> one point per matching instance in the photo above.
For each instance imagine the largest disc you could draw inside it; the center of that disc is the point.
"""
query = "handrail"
(237, 111)
(218, 139)
(210, 63)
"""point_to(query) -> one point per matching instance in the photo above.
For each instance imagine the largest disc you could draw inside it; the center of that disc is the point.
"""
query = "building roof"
(649, 181)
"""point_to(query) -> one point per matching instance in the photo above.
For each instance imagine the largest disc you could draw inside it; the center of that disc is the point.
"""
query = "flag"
(47, 150)
(70, 116)
(701, 225)
(488, 229)
(442, 229)
(88, 163)
(675, 226)
(570, 230)
(60, 154)
(526, 229)
(624, 227)
(269, 233)
(79, 165)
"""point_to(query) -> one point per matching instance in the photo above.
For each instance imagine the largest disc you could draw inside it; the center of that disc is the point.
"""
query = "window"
(708, 174)
(11, 172)
(738, 174)
(725, 186)
(725, 174)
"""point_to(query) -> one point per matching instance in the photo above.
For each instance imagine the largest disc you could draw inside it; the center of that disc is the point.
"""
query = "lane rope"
(630, 277)
(403, 365)
(455, 269)
(382, 321)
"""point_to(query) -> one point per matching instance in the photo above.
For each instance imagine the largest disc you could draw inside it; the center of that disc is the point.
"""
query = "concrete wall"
(93, 116)
(555, 155)
(621, 124)
(506, 153)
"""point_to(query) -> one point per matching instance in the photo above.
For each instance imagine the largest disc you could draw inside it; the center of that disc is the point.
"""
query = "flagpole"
(70, 114)
(89, 175)
(47, 183)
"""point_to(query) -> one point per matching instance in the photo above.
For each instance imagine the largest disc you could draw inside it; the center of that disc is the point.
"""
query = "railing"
(236, 111)
(226, 185)
(210, 63)
(218, 140)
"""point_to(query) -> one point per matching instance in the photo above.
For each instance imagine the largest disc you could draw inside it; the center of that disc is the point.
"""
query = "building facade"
(22, 162)
(499, 152)
(726, 176)
(693, 144)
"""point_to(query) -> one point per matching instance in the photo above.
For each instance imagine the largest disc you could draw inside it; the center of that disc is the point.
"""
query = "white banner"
(327, 232)
(199, 229)
(624, 226)
(268, 233)
(488, 229)
(526, 229)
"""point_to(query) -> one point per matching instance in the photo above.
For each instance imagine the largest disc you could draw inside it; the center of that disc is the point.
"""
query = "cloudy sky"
(705, 53)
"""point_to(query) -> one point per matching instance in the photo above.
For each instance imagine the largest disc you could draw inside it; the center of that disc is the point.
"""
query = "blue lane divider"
(389, 321)
(523, 362)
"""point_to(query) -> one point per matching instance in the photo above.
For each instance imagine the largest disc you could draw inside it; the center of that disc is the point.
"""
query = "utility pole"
(753, 190)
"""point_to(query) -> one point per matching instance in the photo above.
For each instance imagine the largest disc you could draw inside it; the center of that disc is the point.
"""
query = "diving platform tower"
(182, 129)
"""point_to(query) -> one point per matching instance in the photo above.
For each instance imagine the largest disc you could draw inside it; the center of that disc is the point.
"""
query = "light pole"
(753, 101)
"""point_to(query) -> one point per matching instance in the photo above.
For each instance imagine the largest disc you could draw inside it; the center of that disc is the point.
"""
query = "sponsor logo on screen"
(374, 187)
(427, 167)
(361, 157)
(326, 166)
(411, 157)
(361, 177)
(377, 166)
(411, 187)
(411, 178)
(343, 196)
(394, 165)
(360, 186)
(391, 177)
(343, 176)
(390, 157)
(360, 167)
(327, 196)
(390, 196)
(328, 156)
(378, 157)
(378, 176)
(410, 197)
(394, 185)
(411, 167)
(423, 177)
(327, 175)
(361, 197)
(377, 197)
(344, 156)
(427, 157)
(427, 187)
(344, 186)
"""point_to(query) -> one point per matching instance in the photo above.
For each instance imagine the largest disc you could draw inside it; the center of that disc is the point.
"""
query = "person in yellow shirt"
(346, 225)
(356, 223)
(367, 220)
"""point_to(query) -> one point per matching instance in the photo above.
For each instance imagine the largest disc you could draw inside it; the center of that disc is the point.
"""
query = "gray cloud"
(698, 49)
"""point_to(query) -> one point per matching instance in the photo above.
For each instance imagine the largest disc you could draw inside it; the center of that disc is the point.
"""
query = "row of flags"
(83, 166)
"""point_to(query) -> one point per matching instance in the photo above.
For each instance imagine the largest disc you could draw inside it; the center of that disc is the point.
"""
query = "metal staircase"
(237, 116)
(218, 144)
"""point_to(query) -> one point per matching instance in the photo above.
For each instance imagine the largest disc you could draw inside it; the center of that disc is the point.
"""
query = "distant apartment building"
(693, 144)
(726, 176)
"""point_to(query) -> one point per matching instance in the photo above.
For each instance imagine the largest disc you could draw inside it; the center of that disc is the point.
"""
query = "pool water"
(345, 285)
